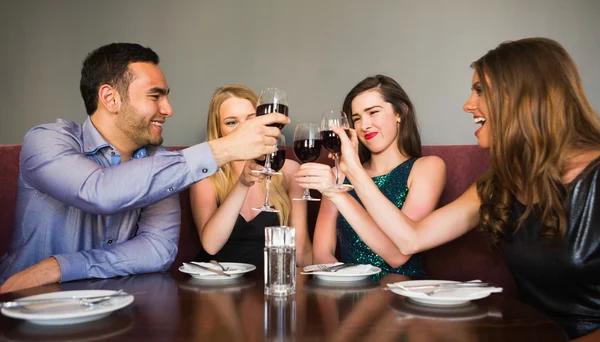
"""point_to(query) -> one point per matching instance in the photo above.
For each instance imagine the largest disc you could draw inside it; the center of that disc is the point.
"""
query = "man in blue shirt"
(99, 199)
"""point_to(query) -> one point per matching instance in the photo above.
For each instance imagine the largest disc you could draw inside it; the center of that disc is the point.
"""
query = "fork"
(334, 268)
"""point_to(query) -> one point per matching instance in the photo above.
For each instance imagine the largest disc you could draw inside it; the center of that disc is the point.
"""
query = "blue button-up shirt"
(97, 216)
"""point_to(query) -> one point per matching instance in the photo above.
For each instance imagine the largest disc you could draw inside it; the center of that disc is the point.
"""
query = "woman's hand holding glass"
(315, 176)
(248, 177)
(331, 140)
(349, 159)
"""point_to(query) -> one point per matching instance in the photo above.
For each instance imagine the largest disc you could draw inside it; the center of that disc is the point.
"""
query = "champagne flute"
(307, 147)
(332, 143)
(271, 100)
(277, 161)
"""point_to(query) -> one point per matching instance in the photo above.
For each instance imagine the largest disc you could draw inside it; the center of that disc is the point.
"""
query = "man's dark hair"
(109, 64)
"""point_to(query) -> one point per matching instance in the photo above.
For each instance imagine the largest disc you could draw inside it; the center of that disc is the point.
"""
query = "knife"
(206, 269)
(443, 285)
(19, 303)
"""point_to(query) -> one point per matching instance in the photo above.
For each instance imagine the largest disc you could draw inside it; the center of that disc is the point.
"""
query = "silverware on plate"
(334, 268)
(215, 262)
(442, 285)
(86, 301)
(196, 266)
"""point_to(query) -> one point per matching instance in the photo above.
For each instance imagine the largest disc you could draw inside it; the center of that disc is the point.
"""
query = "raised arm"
(318, 176)
(55, 164)
(439, 227)
(298, 218)
(215, 222)
(325, 238)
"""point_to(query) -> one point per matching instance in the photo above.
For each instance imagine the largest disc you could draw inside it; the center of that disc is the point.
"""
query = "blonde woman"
(222, 205)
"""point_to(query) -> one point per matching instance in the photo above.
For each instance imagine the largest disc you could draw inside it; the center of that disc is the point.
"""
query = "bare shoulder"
(429, 164)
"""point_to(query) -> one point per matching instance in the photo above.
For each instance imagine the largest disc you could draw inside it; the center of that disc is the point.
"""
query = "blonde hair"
(224, 179)
(538, 112)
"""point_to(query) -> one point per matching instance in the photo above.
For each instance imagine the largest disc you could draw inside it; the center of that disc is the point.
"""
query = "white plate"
(67, 313)
(442, 298)
(344, 275)
(234, 269)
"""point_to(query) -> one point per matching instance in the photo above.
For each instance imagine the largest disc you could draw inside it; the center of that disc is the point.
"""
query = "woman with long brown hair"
(400, 179)
(222, 204)
(539, 199)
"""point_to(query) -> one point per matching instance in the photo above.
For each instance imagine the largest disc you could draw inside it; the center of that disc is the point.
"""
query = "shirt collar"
(92, 139)
(93, 142)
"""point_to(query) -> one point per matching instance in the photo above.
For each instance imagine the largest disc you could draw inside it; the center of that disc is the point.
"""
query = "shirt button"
(205, 170)
(109, 242)
(171, 189)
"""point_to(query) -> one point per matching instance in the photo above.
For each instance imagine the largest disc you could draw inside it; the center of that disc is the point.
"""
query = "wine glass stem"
(306, 193)
(337, 169)
(268, 161)
(267, 186)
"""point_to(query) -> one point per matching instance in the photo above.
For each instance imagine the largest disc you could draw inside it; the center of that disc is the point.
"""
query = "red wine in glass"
(307, 150)
(331, 141)
(269, 101)
(268, 108)
(278, 159)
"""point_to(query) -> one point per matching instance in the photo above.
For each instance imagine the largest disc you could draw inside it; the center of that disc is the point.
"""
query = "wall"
(316, 50)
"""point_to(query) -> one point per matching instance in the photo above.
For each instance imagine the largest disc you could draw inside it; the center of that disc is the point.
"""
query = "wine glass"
(277, 161)
(271, 100)
(307, 147)
(332, 143)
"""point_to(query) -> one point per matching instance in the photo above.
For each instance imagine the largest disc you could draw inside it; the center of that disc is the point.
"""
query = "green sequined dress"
(353, 249)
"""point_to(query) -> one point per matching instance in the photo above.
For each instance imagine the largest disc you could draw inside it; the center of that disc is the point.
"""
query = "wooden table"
(175, 307)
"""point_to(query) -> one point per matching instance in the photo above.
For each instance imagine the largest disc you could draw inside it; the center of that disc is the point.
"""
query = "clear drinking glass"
(332, 143)
(271, 100)
(307, 147)
(280, 260)
(277, 160)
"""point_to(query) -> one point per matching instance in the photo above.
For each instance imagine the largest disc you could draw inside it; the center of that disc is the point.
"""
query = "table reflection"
(177, 307)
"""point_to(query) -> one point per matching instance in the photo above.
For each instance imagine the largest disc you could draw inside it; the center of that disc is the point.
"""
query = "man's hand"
(44, 272)
(251, 139)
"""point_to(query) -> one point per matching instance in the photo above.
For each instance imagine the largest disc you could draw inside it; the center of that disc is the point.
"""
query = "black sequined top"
(353, 249)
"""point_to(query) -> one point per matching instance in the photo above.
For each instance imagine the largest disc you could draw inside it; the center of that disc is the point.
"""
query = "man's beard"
(134, 127)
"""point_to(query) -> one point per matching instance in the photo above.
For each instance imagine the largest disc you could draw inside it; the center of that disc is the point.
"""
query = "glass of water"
(280, 260)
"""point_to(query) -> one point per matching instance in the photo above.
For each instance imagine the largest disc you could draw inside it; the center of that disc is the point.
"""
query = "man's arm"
(152, 249)
(53, 163)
